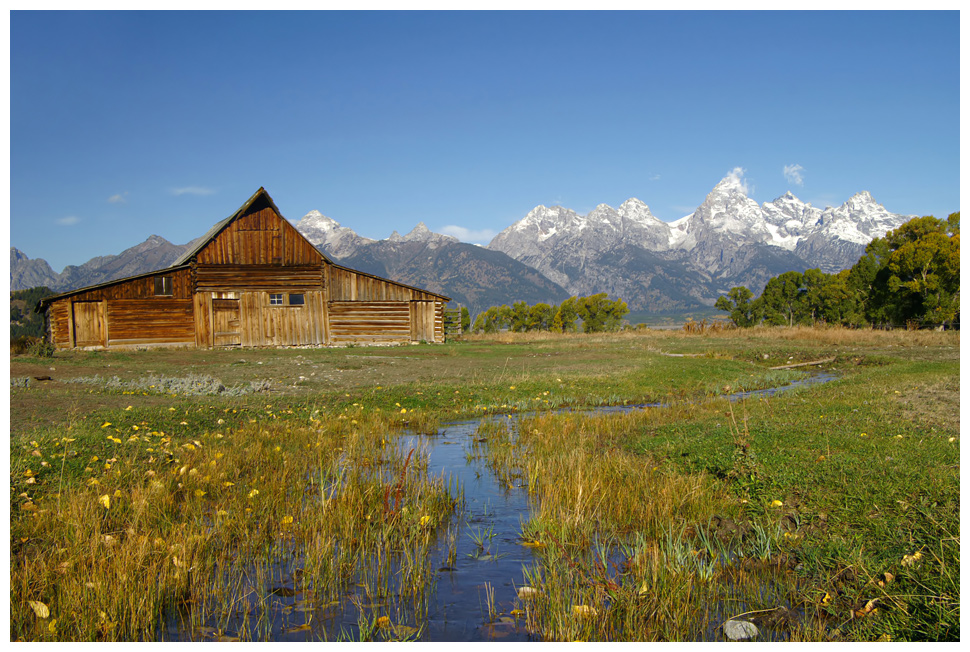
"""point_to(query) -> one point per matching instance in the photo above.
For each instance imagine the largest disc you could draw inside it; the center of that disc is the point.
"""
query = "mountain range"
(554, 252)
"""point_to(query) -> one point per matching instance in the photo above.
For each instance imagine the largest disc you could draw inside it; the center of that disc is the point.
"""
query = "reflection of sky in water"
(460, 610)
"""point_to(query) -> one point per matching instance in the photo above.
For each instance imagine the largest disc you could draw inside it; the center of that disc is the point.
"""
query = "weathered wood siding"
(271, 278)
(249, 319)
(60, 323)
(150, 321)
(127, 313)
(347, 285)
(259, 237)
(265, 324)
(370, 321)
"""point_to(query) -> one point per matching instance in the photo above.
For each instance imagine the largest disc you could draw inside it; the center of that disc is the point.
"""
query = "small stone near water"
(739, 630)
(526, 592)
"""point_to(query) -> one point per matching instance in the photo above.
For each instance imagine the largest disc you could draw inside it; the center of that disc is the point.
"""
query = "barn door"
(225, 322)
(422, 321)
(90, 325)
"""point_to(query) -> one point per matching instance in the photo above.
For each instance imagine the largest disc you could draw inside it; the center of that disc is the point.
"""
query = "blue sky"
(128, 124)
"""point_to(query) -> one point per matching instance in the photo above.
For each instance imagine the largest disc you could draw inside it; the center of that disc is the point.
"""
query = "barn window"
(163, 286)
(296, 299)
(276, 299)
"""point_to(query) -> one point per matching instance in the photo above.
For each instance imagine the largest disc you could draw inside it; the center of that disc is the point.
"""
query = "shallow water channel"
(458, 608)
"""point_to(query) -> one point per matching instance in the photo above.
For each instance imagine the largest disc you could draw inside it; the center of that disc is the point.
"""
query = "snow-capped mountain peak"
(728, 210)
(722, 238)
(638, 212)
(733, 182)
(317, 227)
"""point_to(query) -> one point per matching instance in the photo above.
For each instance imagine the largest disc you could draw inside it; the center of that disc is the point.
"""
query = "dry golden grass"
(202, 525)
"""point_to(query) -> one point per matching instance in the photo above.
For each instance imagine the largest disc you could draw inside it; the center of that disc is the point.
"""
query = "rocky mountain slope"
(26, 273)
(154, 253)
(728, 240)
(471, 275)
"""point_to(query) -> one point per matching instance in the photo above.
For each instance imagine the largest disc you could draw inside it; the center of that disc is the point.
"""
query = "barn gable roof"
(211, 234)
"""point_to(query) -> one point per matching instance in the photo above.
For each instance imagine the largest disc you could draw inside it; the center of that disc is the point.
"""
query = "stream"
(458, 609)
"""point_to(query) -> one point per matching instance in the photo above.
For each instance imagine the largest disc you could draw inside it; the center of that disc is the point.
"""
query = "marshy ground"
(254, 494)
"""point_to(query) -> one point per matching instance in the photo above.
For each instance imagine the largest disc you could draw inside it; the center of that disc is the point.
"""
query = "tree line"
(910, 277)
(24, 320)
(596, 313)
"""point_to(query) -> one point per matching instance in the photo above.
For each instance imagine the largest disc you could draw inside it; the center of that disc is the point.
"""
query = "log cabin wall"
(149, 310)
(370, 322)
(268, 278)
(355, 313)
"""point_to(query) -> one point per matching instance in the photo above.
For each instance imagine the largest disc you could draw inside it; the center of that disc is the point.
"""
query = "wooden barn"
(252, 280)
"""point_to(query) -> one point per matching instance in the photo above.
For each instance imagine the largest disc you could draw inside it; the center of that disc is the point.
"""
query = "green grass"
(658, 524)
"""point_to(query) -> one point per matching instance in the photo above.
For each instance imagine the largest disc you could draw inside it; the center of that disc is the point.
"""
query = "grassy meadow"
(201, 486)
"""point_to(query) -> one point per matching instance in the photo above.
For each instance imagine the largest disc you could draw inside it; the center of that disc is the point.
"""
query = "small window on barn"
(276, 299)
(163, 286)
(296, 299)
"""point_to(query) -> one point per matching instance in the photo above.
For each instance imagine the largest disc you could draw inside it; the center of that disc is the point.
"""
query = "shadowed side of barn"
(252, 280)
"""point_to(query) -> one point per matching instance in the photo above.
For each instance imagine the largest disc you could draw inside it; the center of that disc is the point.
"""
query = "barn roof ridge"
(186, 257)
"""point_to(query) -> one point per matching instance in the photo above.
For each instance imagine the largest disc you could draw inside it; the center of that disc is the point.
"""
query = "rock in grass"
(739, 630)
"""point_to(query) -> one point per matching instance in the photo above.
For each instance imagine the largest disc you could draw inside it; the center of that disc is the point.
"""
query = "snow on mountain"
(787, 222)
(859, 220)
(729, 212)
(729, 239)
(326, 233)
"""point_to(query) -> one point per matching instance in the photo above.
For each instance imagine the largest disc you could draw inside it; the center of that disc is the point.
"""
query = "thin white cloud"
(736, 177)
(193, 190)
(117, 199)
(793, 173)
(474, 236)
(655, 177)
(70, 220)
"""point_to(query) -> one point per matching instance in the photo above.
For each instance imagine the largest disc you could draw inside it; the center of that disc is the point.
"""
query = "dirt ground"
(293, 373)
(302, 373)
